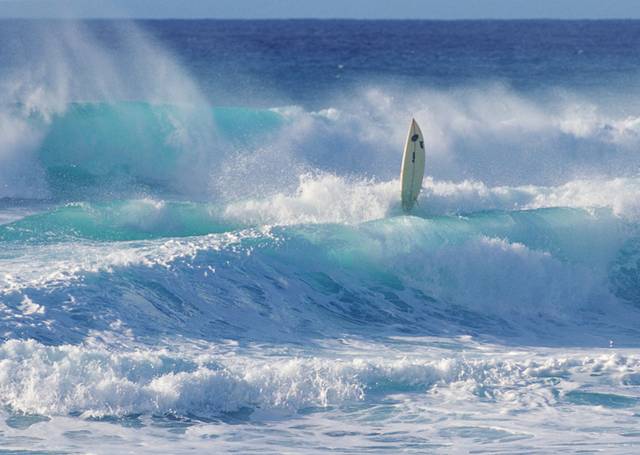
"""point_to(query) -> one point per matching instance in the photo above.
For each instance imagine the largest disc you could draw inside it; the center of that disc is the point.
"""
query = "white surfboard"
(412, 170)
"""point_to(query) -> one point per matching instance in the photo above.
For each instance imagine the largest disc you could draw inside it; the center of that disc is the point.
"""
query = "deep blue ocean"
(202, 247)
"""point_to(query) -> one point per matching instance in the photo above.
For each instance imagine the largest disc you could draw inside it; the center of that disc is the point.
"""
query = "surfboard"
(412, 170)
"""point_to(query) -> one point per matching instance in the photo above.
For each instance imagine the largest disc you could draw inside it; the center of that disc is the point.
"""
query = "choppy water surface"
(202, 246)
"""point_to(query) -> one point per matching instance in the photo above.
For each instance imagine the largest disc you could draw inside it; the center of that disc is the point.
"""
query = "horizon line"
(265, 19)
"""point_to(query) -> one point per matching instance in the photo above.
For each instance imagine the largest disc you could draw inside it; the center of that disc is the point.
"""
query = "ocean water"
(202, 247)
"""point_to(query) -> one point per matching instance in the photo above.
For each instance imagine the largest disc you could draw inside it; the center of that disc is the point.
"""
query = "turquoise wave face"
(95, 147)
(551, 229)
(118, 220)
(505, 274)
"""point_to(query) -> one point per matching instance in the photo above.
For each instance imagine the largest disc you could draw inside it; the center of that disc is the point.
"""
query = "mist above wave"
(91, 117)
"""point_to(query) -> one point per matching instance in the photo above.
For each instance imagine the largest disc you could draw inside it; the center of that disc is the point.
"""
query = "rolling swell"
(505, 274)
(214, 222)
(118, 220)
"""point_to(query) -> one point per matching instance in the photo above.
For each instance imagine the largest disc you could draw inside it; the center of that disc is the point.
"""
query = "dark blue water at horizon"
(299, 58)
(256, 62)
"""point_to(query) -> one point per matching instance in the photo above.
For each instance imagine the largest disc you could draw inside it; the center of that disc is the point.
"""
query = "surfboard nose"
(412, 170)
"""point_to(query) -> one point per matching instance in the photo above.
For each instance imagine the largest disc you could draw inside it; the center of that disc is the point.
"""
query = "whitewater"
(202, 247)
